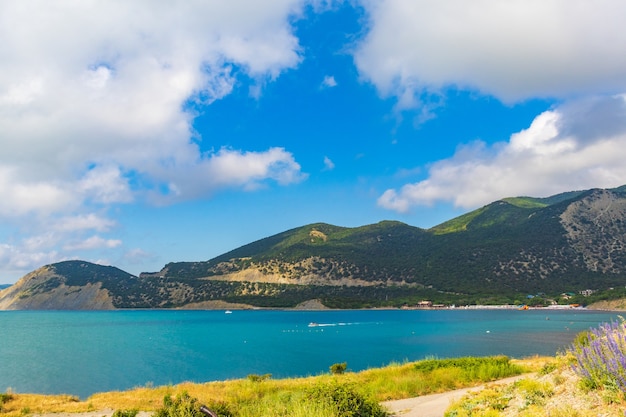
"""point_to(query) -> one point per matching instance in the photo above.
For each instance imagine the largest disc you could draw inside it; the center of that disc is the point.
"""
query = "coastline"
(317, 305)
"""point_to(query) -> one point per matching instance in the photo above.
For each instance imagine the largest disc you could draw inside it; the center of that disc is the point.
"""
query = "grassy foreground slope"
(552, 389)
(260, 395)
(556, 391)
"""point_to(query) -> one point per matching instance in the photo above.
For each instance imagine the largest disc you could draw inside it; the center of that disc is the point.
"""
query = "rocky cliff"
(44, 289)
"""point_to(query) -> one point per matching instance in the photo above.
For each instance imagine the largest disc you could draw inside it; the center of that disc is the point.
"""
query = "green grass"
(458, 224)
(526, 202)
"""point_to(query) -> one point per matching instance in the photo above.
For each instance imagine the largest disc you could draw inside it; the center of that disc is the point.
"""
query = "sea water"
(80, 353)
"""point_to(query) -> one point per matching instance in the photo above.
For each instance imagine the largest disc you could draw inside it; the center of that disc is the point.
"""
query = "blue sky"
(139, 133)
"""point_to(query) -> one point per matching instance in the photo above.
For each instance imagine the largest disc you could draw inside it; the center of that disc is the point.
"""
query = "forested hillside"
(502, 252)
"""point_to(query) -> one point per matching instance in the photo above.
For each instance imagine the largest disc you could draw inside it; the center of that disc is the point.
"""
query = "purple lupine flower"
(601, 357)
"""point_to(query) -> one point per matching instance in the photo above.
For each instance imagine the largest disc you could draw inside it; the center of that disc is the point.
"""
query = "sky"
(137, 133)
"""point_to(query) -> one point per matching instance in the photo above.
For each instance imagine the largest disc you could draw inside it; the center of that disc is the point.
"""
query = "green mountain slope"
(498, 253)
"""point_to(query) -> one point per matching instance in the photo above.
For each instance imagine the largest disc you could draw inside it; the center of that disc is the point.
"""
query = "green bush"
(125, 413)
(186, 406)
(259, 378)
(548, 368)
(5, 398)
(338, 368)
(346, 400)
(473, 368)
(583, 339)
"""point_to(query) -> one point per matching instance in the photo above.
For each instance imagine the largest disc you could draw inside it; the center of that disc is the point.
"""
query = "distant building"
(586, 293)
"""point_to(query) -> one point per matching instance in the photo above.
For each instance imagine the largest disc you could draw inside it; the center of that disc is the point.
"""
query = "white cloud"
(329, 165)
(15, 259)
(93, 242)
(21, 196)
(90, 221)
(92, 94)
(105, 184)
(329, 82)
(137, 256)
(556, 153)
(97, 104)
(34, 250)
(227, 168)
(514, 50)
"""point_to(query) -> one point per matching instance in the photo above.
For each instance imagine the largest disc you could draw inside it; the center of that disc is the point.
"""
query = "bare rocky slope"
(498, 253)
(44, 289)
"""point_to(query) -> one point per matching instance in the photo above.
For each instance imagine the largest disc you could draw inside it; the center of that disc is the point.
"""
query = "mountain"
(71, 285)
(499, 253)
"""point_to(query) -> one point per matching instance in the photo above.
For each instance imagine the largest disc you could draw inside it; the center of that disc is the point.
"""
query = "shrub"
(125, 413)
(486, 403)
(583, 338)
(600, 356)
(534, 392)
(284, 404)
(259, 378)
(5, 398)
(346, 400)
(471, 368)
(186, 406)
(548, 368)
(338, 368)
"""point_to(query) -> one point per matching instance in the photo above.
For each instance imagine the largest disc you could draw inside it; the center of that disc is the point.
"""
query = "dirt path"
(434, 405)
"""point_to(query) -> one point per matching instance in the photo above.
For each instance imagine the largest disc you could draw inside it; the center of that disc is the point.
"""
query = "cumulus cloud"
(556, 153)
(93, 242)
(41, 244)
(16, 259)
(513, 50)
(97, 105)
(227, 168)
(90, 221)
(94, 94)
(329, 82)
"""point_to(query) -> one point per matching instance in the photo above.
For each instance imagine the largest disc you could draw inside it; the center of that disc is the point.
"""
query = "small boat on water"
(313, 324)
(228, 312)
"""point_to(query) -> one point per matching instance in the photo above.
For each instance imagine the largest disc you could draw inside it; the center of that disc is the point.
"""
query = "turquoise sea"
(81, 353)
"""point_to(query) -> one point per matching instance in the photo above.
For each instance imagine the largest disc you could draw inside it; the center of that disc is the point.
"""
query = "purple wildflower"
(601, 355)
